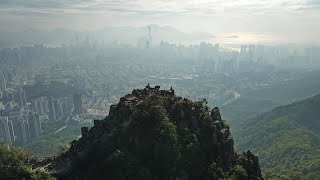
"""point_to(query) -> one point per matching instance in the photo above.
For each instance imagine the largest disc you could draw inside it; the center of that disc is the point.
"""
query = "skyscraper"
(52, 110)
(45, 105)
(35, 106)
(40, 105)
(77, 104)
(22, 97)
(34, 124)
(3, 83)
(62, 107)
(37, 125)
(57, 109)
(20, 129)
(7, 129)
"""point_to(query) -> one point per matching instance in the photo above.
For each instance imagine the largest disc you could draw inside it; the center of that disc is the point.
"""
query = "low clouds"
(233, 37)
(314, 2)
(282, 17)
(154, 7)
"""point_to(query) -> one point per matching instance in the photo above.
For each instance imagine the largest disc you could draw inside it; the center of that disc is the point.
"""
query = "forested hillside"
(278, 92)
(287, 139)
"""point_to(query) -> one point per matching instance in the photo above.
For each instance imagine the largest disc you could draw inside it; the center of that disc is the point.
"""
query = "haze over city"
(228, 21)
(160, 89)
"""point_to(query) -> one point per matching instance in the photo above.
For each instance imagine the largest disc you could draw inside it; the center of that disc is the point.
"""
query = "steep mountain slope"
(153, 134)
(287, 139)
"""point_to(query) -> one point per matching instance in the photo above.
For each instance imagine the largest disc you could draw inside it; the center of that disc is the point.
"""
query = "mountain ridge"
(287, 138)
(107, 35)
(154, 134)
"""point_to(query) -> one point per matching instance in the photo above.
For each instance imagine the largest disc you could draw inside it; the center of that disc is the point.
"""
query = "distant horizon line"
(227, 38)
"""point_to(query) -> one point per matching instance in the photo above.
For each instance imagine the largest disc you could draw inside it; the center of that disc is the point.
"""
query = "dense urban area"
(159, 90)
(48, 92)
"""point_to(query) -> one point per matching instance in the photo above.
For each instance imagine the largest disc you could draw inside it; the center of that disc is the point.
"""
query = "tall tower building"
(36, 106)
(45, 105)
(20, 129)
(62, 107)
(52, 110)
(41, 107)
(77, 103)
(7, 129)
(57, 109)
(34, 124)
(3, 83)
(2, 135)
(24, 118)
(149, 38)
(37, 125)
(22, 97)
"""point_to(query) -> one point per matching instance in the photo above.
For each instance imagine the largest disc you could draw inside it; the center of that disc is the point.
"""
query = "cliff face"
(154, 134)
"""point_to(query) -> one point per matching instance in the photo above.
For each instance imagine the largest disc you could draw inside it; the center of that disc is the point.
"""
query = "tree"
(14, 165)
(166, 151)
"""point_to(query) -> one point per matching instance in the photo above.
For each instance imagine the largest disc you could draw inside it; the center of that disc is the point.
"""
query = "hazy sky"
(245, 20)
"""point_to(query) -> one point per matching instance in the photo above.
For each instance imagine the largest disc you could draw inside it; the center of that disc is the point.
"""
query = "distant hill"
(108, 35)
(287, 91)
(254, 101)
(154, 134)
(287, 138)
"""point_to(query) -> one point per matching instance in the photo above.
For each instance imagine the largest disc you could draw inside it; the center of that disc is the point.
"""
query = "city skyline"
(246, 21)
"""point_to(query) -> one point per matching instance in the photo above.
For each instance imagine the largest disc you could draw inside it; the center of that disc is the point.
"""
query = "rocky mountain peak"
(154, 134)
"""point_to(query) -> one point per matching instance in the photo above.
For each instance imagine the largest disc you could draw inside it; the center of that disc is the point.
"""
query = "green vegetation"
(245, 108)
(286, 139)
(53, 140)
(166, 137)
(272, 176)
(261, 99)
(14, 165)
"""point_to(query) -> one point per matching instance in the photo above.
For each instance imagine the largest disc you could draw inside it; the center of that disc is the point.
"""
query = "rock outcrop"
(154, 134)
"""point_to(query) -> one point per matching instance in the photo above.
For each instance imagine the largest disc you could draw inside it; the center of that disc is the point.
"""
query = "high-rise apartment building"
(34, 125)
(52, 110)
(22, 97)
(3, 83)
(77, 104)
(6, 129)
